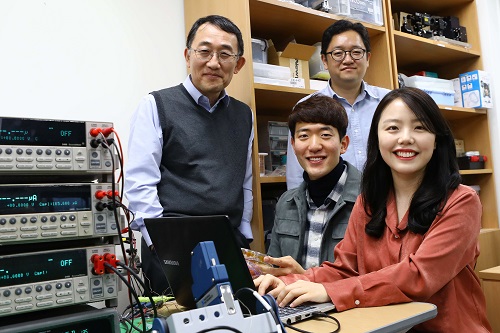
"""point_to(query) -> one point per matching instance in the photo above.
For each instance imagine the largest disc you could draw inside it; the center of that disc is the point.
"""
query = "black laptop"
(174, 238)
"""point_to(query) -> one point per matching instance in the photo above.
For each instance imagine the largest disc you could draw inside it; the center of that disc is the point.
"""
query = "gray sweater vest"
(204, 155)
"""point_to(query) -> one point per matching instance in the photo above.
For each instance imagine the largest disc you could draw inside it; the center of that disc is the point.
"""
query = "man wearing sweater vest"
(191, 144)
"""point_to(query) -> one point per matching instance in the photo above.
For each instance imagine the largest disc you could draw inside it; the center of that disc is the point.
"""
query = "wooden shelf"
(275, 88)
(455, 112)
(272, 19)
(269, 179)
(476, 172)
(414, 51)
(277, 100)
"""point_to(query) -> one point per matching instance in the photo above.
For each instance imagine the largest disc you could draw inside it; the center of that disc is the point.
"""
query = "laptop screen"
(174, 238)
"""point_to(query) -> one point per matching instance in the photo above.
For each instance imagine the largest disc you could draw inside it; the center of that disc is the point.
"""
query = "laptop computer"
(174, 238)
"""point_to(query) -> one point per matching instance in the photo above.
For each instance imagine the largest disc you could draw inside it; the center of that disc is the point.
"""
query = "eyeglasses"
(339, 54)
(223, 56)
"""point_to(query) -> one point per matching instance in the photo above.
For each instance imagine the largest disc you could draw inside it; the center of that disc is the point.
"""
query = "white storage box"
(362, 10)
(367, 10)
(340, 7)
(426, 82)
(443, 97)
(259, 50)
(295, 83)
(439, 89)
(271, 71)
(276, 82)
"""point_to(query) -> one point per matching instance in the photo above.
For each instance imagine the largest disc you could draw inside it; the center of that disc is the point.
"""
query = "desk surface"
(492, 273)
(383, 319)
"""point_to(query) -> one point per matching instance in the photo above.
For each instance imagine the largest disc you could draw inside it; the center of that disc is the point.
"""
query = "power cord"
(228, 328)
(131, 289)
(143, 285)
(317, 314)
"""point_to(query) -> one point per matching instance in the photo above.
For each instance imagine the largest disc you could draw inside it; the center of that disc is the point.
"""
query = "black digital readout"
(38, 132)
(39, 267)
(93, 325)
(25, 199)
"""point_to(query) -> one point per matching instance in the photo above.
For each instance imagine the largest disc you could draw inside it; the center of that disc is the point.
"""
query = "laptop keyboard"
(287, 310)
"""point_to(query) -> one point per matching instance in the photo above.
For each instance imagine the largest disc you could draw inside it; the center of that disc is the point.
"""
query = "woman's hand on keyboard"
(268, 284)
(300, 292)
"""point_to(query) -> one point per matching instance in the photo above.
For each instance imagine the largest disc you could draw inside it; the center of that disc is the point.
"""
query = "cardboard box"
(476, 89)
(295, 56)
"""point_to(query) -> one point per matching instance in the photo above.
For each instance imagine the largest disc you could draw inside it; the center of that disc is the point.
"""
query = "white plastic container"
(259, 50)
(367, 10)
(271, 71)
(340, 7)
(426, 82)
(443, 97)
(440, 90)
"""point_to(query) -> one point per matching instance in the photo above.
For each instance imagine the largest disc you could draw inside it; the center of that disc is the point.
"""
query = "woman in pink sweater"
(412, 234)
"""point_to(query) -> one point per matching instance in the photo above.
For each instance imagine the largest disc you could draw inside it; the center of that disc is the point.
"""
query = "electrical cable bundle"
(137, 308)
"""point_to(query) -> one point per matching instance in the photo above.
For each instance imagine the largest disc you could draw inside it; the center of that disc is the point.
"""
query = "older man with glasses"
(345, 52)
(190, 145)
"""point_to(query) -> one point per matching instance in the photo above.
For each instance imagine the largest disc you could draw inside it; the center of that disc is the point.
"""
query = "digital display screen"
(39, 267)
(25, 199)
(37, 132)
(94, 325)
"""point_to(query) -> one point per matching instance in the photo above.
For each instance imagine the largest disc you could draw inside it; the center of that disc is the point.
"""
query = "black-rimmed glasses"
(339, 54)
(223, 56)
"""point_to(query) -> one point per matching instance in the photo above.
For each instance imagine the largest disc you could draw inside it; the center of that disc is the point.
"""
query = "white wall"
(489, 26)
(88, 59)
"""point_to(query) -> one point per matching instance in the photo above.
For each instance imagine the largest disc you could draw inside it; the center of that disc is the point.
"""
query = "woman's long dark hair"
(441, 175)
